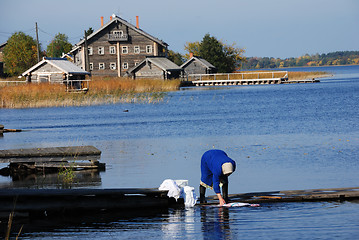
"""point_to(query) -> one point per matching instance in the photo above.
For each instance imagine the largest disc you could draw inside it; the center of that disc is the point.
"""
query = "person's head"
(227, 168)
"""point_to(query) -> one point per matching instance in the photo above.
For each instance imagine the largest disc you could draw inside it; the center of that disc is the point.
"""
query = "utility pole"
(87, 64)
(37, 43)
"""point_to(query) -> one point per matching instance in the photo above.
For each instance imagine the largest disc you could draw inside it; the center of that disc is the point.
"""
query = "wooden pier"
(329, 194)
(247, 78)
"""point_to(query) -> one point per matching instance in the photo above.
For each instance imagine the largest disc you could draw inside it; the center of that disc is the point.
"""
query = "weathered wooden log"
(50, 152)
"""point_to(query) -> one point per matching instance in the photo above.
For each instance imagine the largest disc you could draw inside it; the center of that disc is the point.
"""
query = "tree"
(175, 57)
(58, 45)
(20, 53)
(226, 58)
(89, 31)
(192, 47)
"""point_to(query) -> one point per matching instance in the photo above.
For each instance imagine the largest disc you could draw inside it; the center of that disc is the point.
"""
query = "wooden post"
(118, 60)
(87, 64)
(37, 43)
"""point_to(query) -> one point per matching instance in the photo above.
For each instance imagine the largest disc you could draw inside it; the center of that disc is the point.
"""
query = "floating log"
(50, 152)
(40, 160)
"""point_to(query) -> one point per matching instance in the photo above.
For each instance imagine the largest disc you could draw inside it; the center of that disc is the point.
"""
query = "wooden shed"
(198, 65)
(57, 70)
(155, 67)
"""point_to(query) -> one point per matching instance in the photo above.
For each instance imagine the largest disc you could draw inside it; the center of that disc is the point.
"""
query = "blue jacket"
(211, 168)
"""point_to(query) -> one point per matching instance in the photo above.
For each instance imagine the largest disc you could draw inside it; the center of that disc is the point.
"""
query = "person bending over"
(216, 166)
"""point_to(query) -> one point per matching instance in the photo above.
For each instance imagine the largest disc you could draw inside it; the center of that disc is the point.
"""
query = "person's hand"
(221, 200)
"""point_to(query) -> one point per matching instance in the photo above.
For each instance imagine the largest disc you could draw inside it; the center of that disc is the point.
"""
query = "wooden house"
(198, 65)
(116, 47)
(155, 67)
(57, 70)
(2, 46)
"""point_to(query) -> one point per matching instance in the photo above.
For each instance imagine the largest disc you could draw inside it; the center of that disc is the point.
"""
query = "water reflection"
(215, 223)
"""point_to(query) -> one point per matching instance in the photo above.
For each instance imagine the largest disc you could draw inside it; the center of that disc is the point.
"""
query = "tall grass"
(102, 90)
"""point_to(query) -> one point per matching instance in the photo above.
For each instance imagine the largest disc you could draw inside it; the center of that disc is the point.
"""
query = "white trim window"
(137, 49)
(124, 49)
(136, 63)
(113, 66)
(149, 49)
(91, 66)
(125, 65)
(90, 50)
(101, 66)
(112, 50)
(118, 33)
(101, 50)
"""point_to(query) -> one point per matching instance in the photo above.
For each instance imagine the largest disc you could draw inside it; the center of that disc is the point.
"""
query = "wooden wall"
(131, 58)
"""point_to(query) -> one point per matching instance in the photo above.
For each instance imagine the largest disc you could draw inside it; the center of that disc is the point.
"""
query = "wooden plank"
(80, 199)
(81, 192)
(329, 194)
(50, 152)
(74, 165)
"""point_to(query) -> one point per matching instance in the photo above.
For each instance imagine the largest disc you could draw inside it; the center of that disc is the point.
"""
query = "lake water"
(283, 137)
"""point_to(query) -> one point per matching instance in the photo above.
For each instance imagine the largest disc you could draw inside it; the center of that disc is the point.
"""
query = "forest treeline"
(326, 59)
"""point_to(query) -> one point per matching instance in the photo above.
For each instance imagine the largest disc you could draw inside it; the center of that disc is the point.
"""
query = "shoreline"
(103, 90)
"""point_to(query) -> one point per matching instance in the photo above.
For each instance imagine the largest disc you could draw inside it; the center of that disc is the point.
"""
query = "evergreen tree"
(20, 53)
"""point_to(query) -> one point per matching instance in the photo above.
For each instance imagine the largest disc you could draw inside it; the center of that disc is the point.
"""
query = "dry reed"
(103, 90)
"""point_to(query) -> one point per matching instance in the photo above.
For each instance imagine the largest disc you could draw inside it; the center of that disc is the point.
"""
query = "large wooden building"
(116, 47)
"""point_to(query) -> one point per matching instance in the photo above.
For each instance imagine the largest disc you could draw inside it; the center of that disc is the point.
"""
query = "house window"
(125, 65)
(101, 50)
(101, 66)
(90, 50)
(136, 63)
(112, 50)
(113, 66)
(136, 49)
(148, 49)
(124, 49)
(91, 66)
(118, 33)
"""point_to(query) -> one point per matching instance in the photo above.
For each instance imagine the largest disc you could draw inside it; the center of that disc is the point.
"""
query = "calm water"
(283, 137)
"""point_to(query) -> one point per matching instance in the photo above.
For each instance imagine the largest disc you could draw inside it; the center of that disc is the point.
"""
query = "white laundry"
(173, 189)
(180, 188)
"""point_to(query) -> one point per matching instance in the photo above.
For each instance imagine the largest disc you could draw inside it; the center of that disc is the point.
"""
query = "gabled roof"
(120, 20)
(60, 63)
(3, 44)
(161, 62)
(204, 62)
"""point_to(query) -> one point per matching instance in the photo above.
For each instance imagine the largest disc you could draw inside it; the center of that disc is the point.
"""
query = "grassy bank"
(103, 90)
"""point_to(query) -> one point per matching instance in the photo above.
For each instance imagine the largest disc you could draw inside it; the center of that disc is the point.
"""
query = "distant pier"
(247, 78)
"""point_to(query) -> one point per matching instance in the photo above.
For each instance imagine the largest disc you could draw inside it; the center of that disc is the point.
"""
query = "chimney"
(191, 55)
(110, 18)
(137, 23)
(101, 21)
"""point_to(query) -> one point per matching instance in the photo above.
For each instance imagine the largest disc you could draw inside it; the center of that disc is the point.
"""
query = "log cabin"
(116, 47)
(198, 65)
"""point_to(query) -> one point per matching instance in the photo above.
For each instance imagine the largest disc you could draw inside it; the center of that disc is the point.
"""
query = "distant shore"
(103, 90)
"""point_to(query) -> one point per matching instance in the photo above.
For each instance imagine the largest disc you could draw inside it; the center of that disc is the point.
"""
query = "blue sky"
(264, 28)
